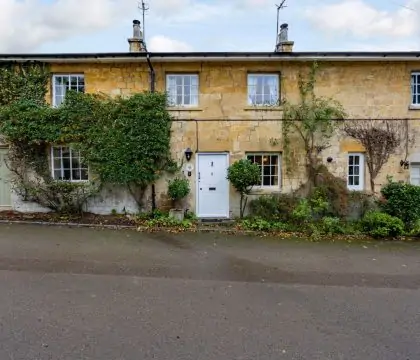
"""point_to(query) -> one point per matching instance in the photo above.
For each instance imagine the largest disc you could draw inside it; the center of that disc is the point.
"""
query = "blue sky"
(208, 25)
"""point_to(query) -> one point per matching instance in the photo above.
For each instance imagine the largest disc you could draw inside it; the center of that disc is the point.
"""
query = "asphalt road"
(96, 294)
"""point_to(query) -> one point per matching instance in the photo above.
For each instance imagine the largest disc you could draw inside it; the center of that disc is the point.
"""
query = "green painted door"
(5, 198)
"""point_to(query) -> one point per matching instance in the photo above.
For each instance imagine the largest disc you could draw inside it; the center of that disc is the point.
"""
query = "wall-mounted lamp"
(188, 154)
(405, 164)
(329, 159)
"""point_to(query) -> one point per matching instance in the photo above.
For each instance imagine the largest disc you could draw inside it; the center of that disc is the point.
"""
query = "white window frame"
(414, 166)
(53, 168)
(415, 85)
(69, 87)
(253, 92)
(263, 154)
(361, 174)
(172, 90)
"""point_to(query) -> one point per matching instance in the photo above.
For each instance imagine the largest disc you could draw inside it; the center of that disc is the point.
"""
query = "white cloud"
(358, 18)
(162, 43)
(25, 25)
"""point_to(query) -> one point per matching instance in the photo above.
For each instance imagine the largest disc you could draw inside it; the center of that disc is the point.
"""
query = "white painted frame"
(413, 166)
(279, 163)
(53, 84)
(415, 75)
(197, 168)
(263, 75)
(362, 166)
(53, 169)
(197, 95)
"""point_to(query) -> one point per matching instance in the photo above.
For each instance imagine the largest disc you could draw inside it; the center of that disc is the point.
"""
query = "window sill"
(414, 107)
(265, 191)
(183, 108)
(263, 108)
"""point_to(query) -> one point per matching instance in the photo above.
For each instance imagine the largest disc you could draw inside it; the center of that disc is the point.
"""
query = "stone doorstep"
(216, 221)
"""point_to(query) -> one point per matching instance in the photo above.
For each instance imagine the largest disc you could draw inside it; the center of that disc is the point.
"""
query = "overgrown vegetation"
(402, 201)
(125, 141)
(243, 175)
(380, 139)
(310, 123)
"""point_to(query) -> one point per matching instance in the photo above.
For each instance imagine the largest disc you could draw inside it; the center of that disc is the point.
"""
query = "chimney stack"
(283, 43)
(137, 41)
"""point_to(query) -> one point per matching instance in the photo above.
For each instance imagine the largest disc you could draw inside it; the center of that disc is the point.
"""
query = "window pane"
(351, 160)
(356, 170)
(258, 159)
(75, 163)
(66, 174)
(178, 80)
(57, 163)
(58, 80)
(57, 174)
(351, 180)
(76, 174)
(56, 151)
(356, 180)
(65, 151)
(66, 163)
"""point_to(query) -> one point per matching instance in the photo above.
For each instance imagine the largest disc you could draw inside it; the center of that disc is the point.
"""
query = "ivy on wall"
(125, 141)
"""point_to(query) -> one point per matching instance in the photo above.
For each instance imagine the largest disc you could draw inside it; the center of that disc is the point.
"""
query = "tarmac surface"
(77, 293)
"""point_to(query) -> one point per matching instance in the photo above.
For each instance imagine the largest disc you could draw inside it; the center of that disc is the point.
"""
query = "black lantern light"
(404, 164)
(188, 154)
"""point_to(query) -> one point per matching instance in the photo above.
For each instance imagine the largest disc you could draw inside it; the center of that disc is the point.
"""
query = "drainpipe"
(152, 90)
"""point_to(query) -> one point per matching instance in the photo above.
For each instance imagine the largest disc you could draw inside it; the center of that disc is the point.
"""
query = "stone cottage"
(218, 103)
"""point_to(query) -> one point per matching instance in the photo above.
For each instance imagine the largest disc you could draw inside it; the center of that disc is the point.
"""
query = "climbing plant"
(125, 141)
(309, 124)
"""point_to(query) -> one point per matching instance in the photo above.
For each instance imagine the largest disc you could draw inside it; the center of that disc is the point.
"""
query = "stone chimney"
(283, 43)
(137, 41)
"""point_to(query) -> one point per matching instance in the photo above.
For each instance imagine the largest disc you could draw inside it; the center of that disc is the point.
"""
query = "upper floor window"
(415, 88)
(68, 164)
(263, 89)
(62, 83)
(270, 168)
(182, 90)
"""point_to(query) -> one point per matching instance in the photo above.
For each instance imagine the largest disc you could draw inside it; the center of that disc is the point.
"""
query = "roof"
(214, 56)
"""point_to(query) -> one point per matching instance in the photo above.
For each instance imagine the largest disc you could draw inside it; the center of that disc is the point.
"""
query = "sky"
(71, 26)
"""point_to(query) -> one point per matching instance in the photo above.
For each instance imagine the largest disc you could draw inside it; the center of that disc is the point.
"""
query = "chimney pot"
(283, 43)
(137, 41)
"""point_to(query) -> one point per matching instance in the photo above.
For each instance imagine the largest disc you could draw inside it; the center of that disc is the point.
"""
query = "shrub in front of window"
(273, 207)
(380, 225)
(125, 141)
(401, 200)
(243, 175)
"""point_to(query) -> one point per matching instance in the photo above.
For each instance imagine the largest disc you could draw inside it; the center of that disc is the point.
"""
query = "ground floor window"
(269, 164)
(355, 172)
(67, 164)
(415, 174)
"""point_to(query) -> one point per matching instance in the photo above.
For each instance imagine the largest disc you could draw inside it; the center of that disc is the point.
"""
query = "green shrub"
(378, 224)
(331, 225)
(273, 207)
(258, 224)
(302, 211)
(402, 201)
(243, 175)
(178, 189)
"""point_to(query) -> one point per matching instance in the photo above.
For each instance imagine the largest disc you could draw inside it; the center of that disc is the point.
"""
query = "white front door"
(212, 185)
(5, 196)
